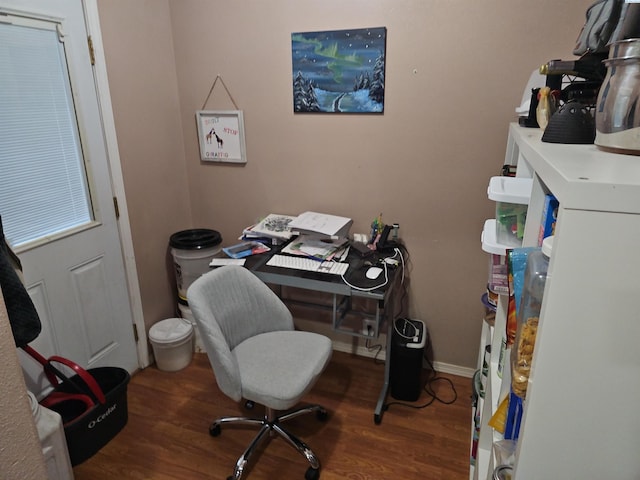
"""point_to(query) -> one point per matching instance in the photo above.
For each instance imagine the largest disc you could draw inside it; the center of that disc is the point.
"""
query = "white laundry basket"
(172, 341)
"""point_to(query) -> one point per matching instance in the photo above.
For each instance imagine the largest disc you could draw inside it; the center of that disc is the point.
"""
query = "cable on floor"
(378, 347)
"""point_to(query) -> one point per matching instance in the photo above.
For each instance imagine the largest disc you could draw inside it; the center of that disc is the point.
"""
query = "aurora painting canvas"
(339, 71)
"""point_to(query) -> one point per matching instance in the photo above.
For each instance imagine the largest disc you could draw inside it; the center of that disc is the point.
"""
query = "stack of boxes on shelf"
(511, 195)
(498, 411)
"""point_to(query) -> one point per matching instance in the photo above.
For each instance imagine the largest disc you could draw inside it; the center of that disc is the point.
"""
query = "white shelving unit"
(494, 390)
(581, 417)
(499, 373)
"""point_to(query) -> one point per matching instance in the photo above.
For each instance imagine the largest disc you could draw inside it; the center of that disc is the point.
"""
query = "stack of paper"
(321, 224)
(274, 229)
(318, 248)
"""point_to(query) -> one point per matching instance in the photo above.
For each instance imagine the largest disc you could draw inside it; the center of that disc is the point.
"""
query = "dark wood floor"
(167, 438)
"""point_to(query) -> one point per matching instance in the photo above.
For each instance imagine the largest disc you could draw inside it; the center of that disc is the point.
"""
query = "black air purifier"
(407, 350)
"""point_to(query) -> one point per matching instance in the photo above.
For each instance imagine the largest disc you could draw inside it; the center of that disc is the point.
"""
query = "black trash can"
(407, 351)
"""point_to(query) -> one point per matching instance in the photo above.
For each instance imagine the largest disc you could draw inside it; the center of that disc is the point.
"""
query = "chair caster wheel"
(322, 415)
(312, 474)
(214, 431)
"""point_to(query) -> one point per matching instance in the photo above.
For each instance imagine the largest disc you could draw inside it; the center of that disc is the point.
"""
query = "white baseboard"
(453, 369)
(358, 346)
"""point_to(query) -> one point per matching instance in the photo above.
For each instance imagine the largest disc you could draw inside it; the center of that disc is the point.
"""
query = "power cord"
(385, 265)
(378, 348)
(369, 289)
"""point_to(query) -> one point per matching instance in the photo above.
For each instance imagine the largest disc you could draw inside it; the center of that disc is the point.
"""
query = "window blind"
(43, 186)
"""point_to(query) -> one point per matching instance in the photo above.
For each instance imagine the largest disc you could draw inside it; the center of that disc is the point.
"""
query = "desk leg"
(335, 311)
(377, 416)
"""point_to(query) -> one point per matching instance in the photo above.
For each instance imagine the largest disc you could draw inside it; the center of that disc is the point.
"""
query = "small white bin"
(172, 342)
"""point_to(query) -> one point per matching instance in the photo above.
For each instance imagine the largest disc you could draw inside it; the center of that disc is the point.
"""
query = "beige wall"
(455, 72)
(142, 80)
(20, 450)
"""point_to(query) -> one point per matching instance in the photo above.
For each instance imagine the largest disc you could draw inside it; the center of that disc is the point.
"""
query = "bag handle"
(53, 373)
(42, 361)
(55, 398)
(94, 389)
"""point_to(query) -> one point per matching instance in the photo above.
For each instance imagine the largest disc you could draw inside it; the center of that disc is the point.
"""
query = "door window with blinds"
(44, 191)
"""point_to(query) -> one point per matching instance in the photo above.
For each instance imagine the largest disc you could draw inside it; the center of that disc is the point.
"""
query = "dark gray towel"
(23, 317)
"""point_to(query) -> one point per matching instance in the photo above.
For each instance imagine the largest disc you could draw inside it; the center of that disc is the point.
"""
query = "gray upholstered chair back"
(229, 305)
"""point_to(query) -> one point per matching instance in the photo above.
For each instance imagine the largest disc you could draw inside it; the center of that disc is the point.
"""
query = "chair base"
(271, 424)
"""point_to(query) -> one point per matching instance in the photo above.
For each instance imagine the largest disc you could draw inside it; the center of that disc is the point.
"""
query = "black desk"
(342, 295)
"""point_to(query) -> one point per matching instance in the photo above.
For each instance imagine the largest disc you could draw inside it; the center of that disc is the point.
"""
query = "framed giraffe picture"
(221, 136)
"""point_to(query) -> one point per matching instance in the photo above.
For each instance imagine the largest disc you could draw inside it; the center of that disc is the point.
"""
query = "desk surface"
(325, 282)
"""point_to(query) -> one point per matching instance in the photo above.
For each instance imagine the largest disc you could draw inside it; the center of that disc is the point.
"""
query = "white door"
(76, 275)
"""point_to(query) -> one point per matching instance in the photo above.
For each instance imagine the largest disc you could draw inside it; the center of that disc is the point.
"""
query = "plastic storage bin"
(172, 341)
(498, 281)
(511, 195)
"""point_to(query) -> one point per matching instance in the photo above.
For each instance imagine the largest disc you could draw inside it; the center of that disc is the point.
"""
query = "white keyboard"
(308, 264)
(220, 262)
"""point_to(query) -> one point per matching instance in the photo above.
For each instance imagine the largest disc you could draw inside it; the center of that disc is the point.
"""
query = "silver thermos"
(618, 107)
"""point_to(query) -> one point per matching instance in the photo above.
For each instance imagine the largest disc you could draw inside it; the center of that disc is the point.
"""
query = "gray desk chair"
(256, 355)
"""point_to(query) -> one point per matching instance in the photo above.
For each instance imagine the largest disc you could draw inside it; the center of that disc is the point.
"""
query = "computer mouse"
(373, 272)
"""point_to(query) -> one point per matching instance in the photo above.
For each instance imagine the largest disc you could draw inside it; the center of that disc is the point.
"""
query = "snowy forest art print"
(339, 71)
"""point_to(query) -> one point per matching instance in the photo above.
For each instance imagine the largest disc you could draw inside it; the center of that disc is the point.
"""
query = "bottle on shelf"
(545, 109)
(535, 278)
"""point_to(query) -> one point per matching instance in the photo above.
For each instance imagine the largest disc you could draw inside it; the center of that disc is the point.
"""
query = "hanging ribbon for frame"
(221, 132)
(218, 77)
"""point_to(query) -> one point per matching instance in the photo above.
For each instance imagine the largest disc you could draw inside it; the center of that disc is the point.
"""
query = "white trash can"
(172, 342)
(192, 252)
